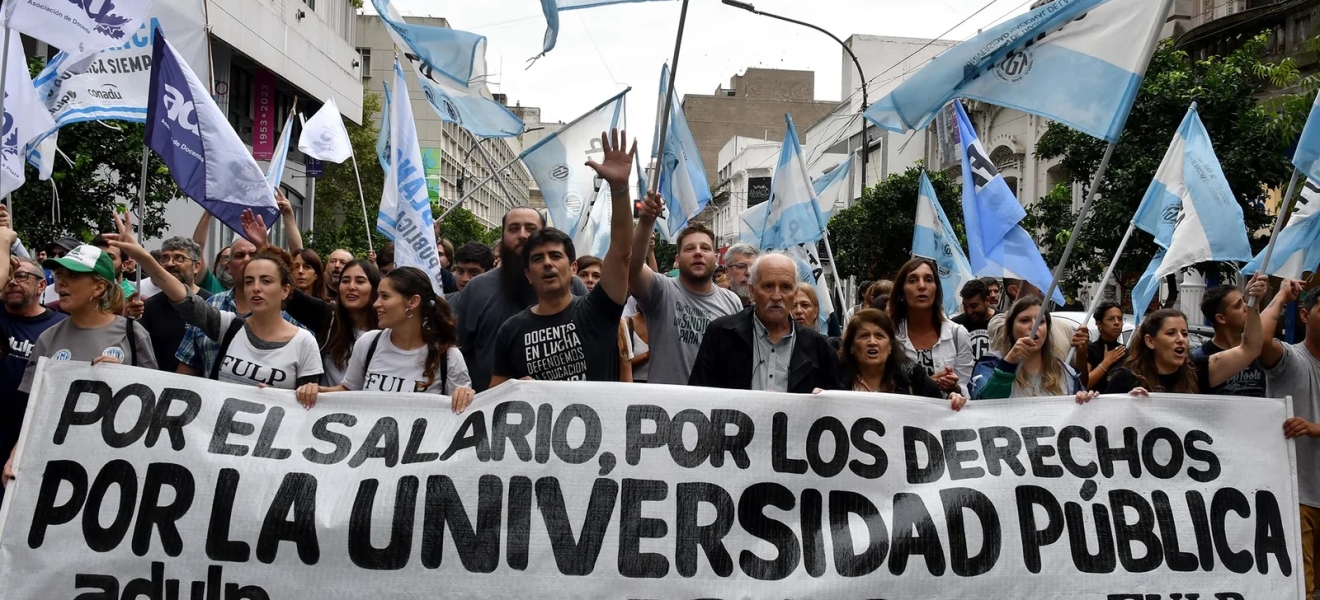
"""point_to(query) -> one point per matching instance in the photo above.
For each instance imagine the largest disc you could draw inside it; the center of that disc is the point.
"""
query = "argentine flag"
(751, 224)
(1190, 209)
(793, 214)
(551, 9)
(451, 70)
(683, 184)
(558, 163)
(832, 189)
(405, 204)
(205, 156)
(996, 245)
(933, 238)
(1307, 157)
(1079, 62)
(1297, 250)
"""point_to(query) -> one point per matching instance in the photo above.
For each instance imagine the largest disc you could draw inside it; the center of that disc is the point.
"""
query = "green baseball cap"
(85, 259)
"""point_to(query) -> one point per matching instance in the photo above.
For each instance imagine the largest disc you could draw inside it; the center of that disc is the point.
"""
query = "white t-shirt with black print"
(251, 360)
(395, 370)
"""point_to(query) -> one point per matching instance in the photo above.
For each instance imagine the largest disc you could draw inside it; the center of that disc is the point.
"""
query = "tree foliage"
(461, 226)
(338, 220)
(872, 238)
(1250, 138)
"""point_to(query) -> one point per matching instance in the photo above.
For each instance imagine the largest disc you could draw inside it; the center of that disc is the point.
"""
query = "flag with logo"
(405, 206)
(275, 170)
(833, 189)
(1297, 249)
(1190, 209)
(996, 245)
(933, 238)
(683, 183)
(112, 85)
(324, 136)
(24, 118)
(558, 163)
(451, 70)
(793, 216)
(1078, 62)
(80, 27)
(551, 9)
(205, 156)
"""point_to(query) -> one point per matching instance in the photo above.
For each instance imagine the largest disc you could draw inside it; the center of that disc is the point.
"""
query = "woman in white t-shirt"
(355, 314)
(416, 351)
(262, 349)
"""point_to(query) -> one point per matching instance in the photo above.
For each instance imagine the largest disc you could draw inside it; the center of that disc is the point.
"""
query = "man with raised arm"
(562, 337)
(678, 309)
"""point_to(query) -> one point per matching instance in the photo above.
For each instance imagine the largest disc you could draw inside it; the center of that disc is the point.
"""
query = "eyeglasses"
(172, 258)
(24, 276)
(739, 267)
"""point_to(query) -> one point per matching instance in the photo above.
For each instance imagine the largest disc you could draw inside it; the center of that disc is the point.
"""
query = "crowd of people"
(531, 308)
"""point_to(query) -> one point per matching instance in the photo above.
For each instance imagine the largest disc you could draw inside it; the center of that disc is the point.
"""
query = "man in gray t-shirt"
(1294, 370)
(677, 310)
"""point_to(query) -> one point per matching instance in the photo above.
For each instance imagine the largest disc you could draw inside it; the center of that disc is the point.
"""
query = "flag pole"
(142, 203)
(4, 77)
(490, 164)
(473, 191)
(669, 95)
(838, 287)
(1285, 206)
(362, 197)
(1076, 233)
(1109, 272)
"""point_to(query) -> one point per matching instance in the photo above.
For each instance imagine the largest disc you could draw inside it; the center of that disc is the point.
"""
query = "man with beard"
(23, 320)
(560, 337)
(762, 348)
(493, 297)
(334, 265)
(182, 257)
(739, 258)
(680, 308)
(976, 315)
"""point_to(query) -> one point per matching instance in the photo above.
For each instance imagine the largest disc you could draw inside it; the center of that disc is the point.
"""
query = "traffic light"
(637, 209)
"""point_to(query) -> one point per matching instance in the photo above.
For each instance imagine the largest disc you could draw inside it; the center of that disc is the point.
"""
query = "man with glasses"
(182, 257)
(22, 321)
(739, 258)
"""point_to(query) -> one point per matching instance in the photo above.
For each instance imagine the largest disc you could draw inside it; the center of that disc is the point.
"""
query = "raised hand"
(124, 240)
(1257, 287)
(254, 229)
(286, 209)
(652, 206)
(617, 164)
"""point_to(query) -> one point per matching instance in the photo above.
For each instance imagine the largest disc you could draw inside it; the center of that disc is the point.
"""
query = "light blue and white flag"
(205, 156)
(24, 119)
(1147, 286)
(1307, 156)
(1079, 62)
(383, 138)
(451, 70)
(933, 238)
(405, 205)
(833, 190)
(683, 182)
(996, 245)
(558, 163)
(112, 85)
(1297, 250)
(793, 215)
(80, 27)
(1189, 207)
(751, 224)
(275, 170)
(551, 9)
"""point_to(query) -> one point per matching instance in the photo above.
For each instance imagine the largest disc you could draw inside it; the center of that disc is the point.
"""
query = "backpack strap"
(444, 372)
(132, 342)
(235, 326)
(371, 352)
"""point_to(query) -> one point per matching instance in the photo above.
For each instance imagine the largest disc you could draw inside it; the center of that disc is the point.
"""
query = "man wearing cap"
(133, 305)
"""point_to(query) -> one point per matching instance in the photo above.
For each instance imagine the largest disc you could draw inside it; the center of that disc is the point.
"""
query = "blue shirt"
(200, 352)
(22, 334)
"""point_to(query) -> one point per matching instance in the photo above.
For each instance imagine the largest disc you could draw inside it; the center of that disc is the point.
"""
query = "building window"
(364, 57)
(310, 4)
(1302, 30)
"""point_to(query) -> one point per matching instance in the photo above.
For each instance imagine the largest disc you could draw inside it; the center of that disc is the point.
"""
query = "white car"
(1197, 334)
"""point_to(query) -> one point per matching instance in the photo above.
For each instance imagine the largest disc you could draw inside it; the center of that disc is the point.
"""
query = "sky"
(601, 51)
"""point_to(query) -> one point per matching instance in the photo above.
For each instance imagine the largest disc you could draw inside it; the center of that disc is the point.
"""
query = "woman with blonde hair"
(1023, 365)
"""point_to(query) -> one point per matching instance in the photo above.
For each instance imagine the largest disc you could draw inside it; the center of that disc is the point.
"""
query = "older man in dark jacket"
(762, 348)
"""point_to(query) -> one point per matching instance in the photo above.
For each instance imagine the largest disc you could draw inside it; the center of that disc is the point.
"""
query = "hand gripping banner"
(140, 484)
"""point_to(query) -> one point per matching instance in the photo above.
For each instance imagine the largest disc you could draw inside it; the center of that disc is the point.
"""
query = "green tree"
(872, 238)
(1250, 138)
(338, 220)
(461, 227)
(665, 253)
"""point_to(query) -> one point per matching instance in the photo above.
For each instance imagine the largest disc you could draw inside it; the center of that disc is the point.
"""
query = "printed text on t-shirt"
(555, 354)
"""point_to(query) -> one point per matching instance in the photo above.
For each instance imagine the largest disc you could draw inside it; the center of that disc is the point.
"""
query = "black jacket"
(726, 356)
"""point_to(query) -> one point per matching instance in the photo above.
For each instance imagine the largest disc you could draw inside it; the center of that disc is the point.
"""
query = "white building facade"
(746, 170)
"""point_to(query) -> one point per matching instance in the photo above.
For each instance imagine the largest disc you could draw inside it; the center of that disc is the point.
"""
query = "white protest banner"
(143, 484)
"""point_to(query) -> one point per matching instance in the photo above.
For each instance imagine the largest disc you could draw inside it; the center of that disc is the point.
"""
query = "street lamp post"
(865, 100)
